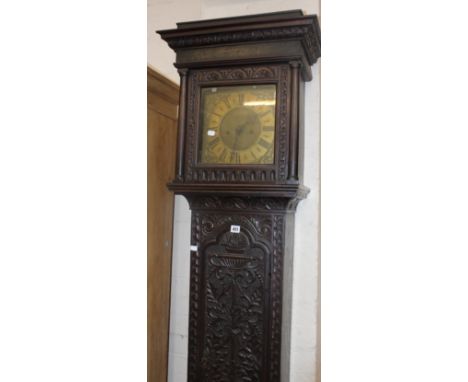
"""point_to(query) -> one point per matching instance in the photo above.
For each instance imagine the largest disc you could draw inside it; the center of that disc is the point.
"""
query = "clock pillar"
(181, 125)
(294, 132)
(242, 204)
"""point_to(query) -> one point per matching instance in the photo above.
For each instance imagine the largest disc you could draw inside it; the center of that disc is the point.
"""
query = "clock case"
(241, 283)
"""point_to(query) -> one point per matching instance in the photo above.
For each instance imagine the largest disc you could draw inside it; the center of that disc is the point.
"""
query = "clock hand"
(239, 130)
(236, 139)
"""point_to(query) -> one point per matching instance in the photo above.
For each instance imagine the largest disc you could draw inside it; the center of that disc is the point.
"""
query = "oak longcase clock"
(239, 165)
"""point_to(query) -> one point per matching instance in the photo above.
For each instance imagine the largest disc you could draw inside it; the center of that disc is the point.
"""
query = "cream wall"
(163, 14)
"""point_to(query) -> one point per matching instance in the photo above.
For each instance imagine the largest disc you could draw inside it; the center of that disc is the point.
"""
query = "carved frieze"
(213, 202)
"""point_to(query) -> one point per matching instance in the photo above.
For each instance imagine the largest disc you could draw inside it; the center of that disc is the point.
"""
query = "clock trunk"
(239, 288)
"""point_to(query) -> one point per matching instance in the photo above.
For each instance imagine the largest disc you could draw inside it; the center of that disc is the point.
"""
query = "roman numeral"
(213, 143)
(227, 102)
(223, 155)
(268, 128)
(218, 115)
(264, 144)
(264, 113)
(234, 157)
(241, 99)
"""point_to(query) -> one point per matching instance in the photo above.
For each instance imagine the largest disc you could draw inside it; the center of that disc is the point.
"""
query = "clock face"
(238, 124)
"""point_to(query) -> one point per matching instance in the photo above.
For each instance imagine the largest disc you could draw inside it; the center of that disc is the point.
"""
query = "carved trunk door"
(235, 313)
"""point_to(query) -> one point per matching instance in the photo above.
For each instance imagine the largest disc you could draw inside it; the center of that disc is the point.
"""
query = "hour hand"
(241, 128)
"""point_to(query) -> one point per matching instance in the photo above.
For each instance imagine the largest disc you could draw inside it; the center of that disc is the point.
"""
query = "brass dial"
(238, 124)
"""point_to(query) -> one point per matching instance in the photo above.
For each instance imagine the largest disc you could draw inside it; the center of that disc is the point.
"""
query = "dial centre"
(240, 128)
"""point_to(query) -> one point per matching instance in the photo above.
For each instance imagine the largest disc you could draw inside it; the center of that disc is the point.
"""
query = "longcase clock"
(239, 165)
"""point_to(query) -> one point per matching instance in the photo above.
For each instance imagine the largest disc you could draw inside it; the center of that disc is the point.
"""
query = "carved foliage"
(258, 225)
(276, 293)
(305, 32)
(235, 327)
(243, 203)
(191, 127)
(234, 310)
(283, 123)
(195, 265)
(241, 73)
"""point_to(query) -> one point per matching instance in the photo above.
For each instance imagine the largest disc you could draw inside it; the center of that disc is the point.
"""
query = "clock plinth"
(239, 166)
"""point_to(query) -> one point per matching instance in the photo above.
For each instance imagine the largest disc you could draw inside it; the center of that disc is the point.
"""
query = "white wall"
(164, 14)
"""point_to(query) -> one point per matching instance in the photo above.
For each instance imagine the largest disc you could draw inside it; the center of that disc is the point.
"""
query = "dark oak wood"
(236, 288)
(162, 128)
(181, 129)
(241, 282)
(282, 36)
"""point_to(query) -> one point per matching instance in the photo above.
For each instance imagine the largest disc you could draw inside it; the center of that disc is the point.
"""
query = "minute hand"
(239, 131)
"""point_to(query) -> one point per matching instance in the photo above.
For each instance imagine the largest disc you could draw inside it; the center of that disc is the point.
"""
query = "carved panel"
(234, 342)
(235, 297)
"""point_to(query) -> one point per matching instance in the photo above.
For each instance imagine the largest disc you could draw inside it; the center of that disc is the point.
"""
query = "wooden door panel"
(161, 136)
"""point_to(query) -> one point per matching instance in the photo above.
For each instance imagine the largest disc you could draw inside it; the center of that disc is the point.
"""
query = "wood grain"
(161, 135)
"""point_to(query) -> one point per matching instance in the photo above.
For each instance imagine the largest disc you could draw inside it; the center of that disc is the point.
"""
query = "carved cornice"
(305, 33)
(293, 27)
